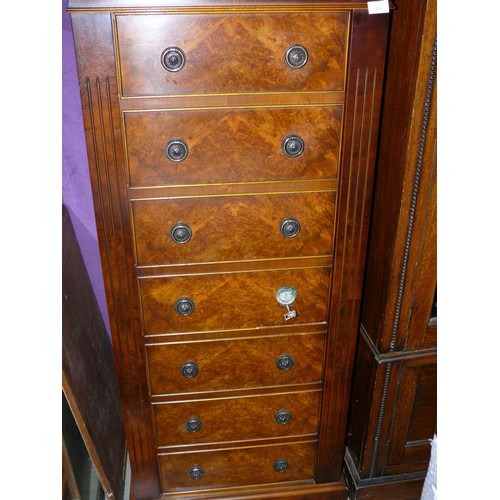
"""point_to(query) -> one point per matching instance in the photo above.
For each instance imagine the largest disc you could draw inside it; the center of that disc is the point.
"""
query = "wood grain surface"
(232, 145)
(231, 52)
(233, 300)
(230, 228)
(238, 466)
(234, 419)
(238, 363)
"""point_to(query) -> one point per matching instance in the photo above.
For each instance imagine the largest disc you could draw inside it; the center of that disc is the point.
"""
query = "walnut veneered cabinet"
(231, 148)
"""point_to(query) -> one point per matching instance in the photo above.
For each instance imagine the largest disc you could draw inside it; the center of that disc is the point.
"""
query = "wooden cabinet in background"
(393, 407)
(232, 151)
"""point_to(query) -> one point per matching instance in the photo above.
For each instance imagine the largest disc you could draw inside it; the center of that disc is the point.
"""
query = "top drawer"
(231, 53)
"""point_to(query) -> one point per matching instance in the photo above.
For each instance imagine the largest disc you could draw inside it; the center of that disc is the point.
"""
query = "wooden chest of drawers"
(231, 150)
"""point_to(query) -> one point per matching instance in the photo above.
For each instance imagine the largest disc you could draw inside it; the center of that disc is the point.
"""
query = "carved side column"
(99, 93)
(393, 409)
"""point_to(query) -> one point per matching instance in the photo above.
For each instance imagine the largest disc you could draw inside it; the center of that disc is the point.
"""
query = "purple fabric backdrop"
(76, 190)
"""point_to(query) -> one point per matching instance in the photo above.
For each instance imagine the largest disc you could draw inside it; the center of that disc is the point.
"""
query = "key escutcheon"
(285, 297)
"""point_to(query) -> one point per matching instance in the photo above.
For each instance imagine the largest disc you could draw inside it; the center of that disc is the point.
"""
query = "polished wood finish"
(239, 466)
(232, 301)
(230, 364)
(87, 361)
(231, 53)
(231, 228)
(237, 419)
(399, 487)
(393, 409)
(364, 90)
(234, 188)
(233, 145)
(99, 92)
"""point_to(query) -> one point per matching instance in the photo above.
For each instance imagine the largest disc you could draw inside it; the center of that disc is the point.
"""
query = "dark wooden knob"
(285, 362)
(296, 56)
(184, 306)
(173, 59)
(281, 465)
(176, 150)
(193, 425)
(196, 472)
(181, 233)
(282, 417)
(292, 146)
(189, 369)
(290, 227)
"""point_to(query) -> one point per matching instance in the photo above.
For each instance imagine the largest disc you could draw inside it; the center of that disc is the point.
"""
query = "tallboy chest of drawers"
(231, 148)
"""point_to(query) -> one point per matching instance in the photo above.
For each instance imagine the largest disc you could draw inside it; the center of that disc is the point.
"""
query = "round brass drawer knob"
(282, 417)
(176, 150)
(189, 369)
(184, 306)
(193, 425)
(290, 227)
(296, 56)
(196, 472)
(181, 233)
(173, 59)
(280, 465)
(285, 362)
(292, 146)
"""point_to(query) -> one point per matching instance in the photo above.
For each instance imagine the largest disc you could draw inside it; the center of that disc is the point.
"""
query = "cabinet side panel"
(99, 94)
(364, 89)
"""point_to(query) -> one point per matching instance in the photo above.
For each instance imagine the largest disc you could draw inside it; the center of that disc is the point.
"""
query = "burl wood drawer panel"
(237, 467)
(241, 418)
(232, 145)
(229, 228)
(231, 52)
(232, 300)
(239, 363)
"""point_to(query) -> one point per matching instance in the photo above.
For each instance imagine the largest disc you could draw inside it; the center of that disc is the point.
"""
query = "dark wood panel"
(237, 363)
(233, 301)
(253, 61)
(87, 360)
(414, 420)
(232, 145)
(401, 266)
(297, 490)
(99, 94)
(131, 6)
(364, 92)
(238, 466)
(229, 419)
(233, 228)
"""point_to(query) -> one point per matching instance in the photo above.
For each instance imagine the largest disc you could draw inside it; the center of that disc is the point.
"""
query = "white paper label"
(378, 7)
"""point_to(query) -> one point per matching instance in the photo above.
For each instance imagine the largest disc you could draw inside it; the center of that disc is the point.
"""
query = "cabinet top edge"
(151, 6)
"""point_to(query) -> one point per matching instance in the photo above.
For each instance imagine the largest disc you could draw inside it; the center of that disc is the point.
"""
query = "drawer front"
(231, 53)
(232, 301)
(229, 228)
(232, 145)
(239, 363)
(237, 467)
(252, 417)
